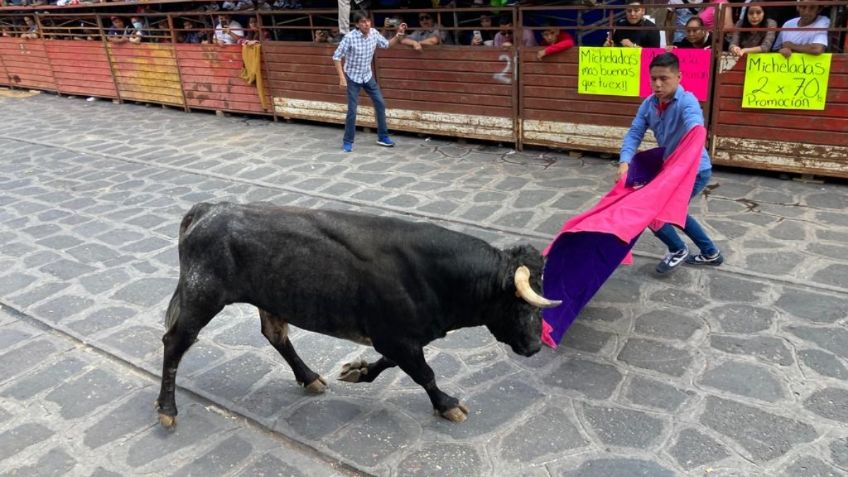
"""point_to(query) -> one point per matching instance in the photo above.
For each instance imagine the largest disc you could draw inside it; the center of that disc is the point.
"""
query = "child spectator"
(696, 36)
(635, 17)
(228, 32)
(190, 35)
(486, 37)
(554, 41)
(253, 32)
(31, 31)
(813, 41)
(504, 39)
(118, 32)
(744, 42)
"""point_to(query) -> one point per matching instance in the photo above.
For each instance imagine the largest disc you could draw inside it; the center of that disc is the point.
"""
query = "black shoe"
(672, 260)
(701, 259)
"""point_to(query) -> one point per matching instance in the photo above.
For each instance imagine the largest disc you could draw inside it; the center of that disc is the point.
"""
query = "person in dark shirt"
(696, 36)
(635, 16)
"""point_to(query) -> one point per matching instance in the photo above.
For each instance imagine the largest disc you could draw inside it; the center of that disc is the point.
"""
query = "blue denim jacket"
(680, 115)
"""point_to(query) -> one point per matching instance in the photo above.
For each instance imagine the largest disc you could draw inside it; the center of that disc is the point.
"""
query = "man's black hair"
(505, 20)
(359, 15)
(698, 20)
(668, 60)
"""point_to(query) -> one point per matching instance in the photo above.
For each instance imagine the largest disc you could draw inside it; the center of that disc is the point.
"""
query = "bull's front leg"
(410, 358)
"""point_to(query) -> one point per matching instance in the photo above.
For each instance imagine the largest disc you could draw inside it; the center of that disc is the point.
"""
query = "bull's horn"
(525, 291)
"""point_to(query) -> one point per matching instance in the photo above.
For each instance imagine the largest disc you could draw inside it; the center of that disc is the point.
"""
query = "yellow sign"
(775, 82)
(611, 71)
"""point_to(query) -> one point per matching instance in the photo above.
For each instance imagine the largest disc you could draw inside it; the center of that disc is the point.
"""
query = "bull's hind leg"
(185, 319)
(277, 331)
(411, 361)
(362, 371)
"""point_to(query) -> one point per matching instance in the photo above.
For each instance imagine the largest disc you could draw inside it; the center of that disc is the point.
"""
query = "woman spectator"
(254, 33)
(708, 15)
(744, 42)
(696, 36)
(31, 31)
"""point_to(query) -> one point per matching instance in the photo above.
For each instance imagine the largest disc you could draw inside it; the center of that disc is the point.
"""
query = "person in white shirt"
(228, 32)
(813, 41)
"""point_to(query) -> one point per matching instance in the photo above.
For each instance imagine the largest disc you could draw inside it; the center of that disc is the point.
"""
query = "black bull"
(385, 282)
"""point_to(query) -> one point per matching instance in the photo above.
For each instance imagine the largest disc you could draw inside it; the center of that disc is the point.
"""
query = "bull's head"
(518, 322)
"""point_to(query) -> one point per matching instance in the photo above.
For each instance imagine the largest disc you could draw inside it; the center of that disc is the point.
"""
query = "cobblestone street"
(732, 371)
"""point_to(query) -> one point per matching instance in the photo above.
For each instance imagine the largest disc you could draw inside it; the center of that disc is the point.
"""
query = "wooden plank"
(147, 97)
(387, 74)
(589, 106)
(762, 116)
(794, 135)
(785, 122)
(221, 105)
(241, 97)
(492, 88)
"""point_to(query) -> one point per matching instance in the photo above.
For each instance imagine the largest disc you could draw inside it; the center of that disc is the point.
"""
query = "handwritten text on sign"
(611, 71)
(775, 82)
(694, 70)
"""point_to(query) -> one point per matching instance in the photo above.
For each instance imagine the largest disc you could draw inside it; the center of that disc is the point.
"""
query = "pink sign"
(694, 69)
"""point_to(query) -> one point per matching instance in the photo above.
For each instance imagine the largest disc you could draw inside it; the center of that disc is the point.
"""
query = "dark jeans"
(372, 89)
(693, 229)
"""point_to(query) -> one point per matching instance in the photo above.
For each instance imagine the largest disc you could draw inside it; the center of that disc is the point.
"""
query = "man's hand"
(786, 52)
(342, 82)
(401, 29)
(622, 171)
(736, 50)
(541, 54)
(628, 43)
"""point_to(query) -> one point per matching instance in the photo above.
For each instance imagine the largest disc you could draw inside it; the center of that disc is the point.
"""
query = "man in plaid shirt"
(357, 48)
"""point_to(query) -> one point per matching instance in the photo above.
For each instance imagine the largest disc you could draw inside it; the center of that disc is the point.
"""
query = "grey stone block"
(574, 200)
(233, 379)
(683, 299)
(105, 280)
(19, 360)
(101, 319)
(746, 380)
(157, 444)
(809, 466)
(440, 207)
(549, 432)
(495, 371)
(63, 307)
(815, 307)
(595, 313)
(37, 294)
(743, 319)
(466, 339)
(594, 380)
(585, 338)
(147, 292)
(833, 339)
(769, 349)
(835, 274)
(619, 467)
(372, 441)
(724, 288)
(788, 230)
(655, 356)
(694, 449)
(273, 397)
(66, 269)
(763, 435)
(45, 378)
(831, 403)
(135, 341)
(649, 392)
(828, 201)
(19, 438)
(147, 245)
(623, 427)
(220, 460)
(42, 230)
(444, 459)
(617, 290)
(270, 466)
(823, 363)
(60, 242)
(322, 417)
(667, 324)
(13, 282)
(98, 388)
(839, 452)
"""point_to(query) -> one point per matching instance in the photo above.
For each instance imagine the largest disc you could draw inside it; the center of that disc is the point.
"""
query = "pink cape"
(584, 253)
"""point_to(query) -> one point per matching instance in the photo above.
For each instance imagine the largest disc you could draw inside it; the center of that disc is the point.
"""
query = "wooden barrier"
(146, 72)
(27, 64)
(211, 79)
(81, 67)
(809, 142)
(4, 76)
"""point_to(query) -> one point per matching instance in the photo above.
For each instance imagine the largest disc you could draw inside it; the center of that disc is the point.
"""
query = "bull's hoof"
(318, 386)
(168, 422)
(353, 372)
(456, 414)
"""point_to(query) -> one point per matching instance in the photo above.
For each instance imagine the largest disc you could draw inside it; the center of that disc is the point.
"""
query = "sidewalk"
(738, 370)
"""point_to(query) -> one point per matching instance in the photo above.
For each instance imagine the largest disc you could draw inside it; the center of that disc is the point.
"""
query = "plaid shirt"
(358, 51)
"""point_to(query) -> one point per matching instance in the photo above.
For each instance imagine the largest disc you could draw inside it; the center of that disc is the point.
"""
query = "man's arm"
(341, 52)
(812, 48)
(693, 115)
(633, 139)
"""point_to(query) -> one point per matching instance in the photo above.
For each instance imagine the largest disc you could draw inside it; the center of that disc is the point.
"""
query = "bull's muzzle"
(525, 291)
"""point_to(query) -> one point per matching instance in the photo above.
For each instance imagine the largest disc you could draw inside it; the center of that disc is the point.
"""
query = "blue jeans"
(693, 229)
(372, 89)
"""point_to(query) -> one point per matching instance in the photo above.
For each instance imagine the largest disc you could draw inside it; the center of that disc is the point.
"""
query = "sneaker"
(672, 261)
(347, 147)
(701, 259)
(385, 141)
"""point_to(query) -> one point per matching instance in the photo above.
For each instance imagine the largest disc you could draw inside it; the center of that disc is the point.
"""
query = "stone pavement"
(735, 371)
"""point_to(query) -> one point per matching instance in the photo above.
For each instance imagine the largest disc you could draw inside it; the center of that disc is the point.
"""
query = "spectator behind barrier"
(484, 35)
(744, 42)
(31, 31)
(227, 31)
(504, 37)
(679, 17)
(813, 41)
(137, 30)
(428, 33)
(253, 32)
(191, 35)
(118, 32)
(554, 40)
(635, 16)
(696, 36)
(708, 15)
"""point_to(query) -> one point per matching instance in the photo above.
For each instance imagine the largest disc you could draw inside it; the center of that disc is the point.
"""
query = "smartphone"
(478, 37)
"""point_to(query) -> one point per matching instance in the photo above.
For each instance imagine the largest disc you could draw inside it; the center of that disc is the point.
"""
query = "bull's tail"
(173, 313)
